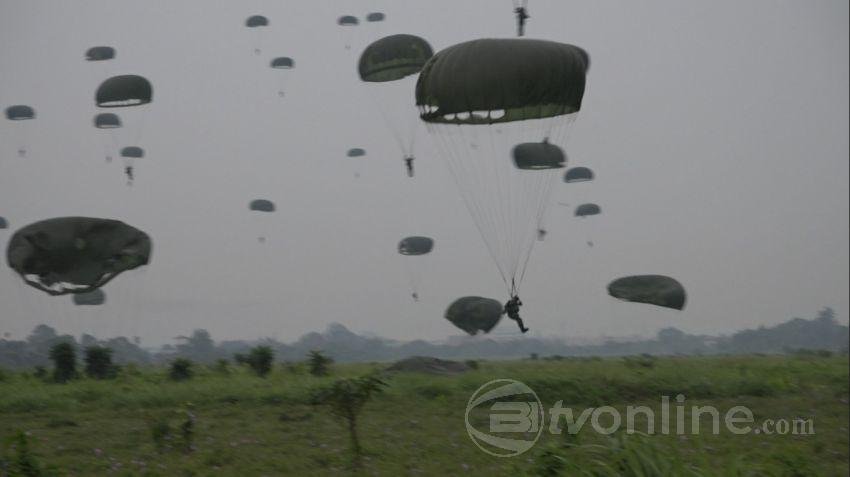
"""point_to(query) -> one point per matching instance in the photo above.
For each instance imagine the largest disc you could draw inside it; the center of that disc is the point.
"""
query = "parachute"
(538, 155)
(356, 152)
(347, 33)
(474, 313)
(255, 21)
(586, 210)
(578, 174)
(76, 254)
(92, 298)
(415, 245)
(387, 67)
(375, 17)
(124, 90)
(107, 121)
(100, 53)
(133, 152)
(347, 20)
(20, 112)
(282, 63)
(658, 290)
(482, 98)
(262, 205)
(4, 224)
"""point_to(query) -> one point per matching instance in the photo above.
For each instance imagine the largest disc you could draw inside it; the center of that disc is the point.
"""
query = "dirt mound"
(428, 365)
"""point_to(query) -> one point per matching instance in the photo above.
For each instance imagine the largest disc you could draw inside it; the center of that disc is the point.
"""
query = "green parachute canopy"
(76, 254)
(375, 17)
(107, 121)
(578, 174)
(256, 21)
(500, 80)
(100, 53)
(282, 62)
(474, 313)
(348, 20)
(585, 210)
(394, 57)
(538, 155)
(356, 152)
(262, 205)
(658, 290)
(133, 152)
(20, 112)
(92, 298)
(124, 90)
(4, 224)
(415, 245)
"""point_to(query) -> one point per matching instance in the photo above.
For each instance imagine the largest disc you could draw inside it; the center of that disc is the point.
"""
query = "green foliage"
(472, 363)
(260, 360)
(181, 369)
(64, 358)
(40, 372)
(99, 363)
(319, 363)
(187, 429)
(160, 431)
(22, 462)
(222, 366)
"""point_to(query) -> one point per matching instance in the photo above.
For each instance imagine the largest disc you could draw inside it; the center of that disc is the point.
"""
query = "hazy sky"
(718, 131)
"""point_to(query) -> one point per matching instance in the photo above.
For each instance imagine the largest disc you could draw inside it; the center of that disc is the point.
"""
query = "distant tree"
(199, 346)
(181, 369)
(64, 359)
(40, 372)
(319, 363)
(99, 362)
(240, 359)
(260, 360)
(345, 399)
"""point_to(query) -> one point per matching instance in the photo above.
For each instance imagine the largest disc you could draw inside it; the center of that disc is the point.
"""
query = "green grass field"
(248, 426)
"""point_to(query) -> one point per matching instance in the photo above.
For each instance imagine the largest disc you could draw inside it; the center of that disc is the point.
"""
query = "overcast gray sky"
(718, 131)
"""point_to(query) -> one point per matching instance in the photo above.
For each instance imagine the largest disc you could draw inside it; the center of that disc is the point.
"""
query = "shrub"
(64, 359)
(181, 369)
(319, 363)
(260, 360)
(99, 363)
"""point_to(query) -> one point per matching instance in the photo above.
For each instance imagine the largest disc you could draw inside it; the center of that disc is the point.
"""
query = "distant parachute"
(356, 152)
(483, 97)
(133, 152)
(92, 298)
(347, 33)
(658, 290)
(100, 53)
(474, 313)
(282, 62)
(255, 21)
(347, 20)
(107, 121)
(578, 174)
(262, 205)
(20, 112)
(76, 254)
(538, 155)
(586, 210)
(375, 17)
(3, 223)
(415, 245)
(124, 90)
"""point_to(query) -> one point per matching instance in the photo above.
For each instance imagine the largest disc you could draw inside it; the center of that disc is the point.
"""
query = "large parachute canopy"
(347, 20)
(100, 53)
(262, 205)
(585, 210)
(76, 254)
(282, 62)
(107, 121)
(92, 298)
(538, 155)
(658, 290)
(20, 112)
(578, 174)
(394, 57)
(474, 313)
(133, 152)
(256, 21)
(375, 17)
(415, 245)
(500, 80)
(482, 99)
(124, 90)
(356, 152)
